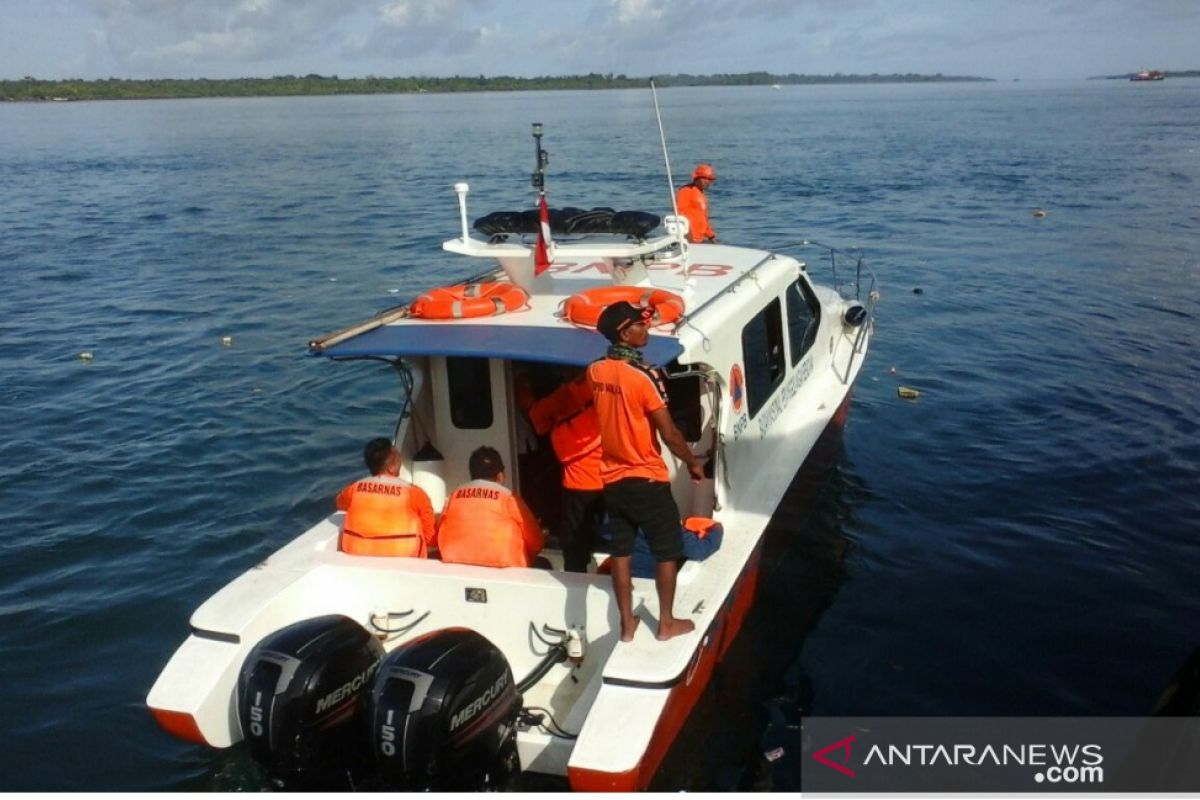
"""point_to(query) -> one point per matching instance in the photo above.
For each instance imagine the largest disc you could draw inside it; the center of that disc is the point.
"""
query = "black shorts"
(635, 503)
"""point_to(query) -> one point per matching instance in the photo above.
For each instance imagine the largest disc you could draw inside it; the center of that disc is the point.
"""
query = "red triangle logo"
(844, 746)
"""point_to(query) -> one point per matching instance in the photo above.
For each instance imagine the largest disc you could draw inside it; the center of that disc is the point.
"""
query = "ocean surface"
(1022, 539)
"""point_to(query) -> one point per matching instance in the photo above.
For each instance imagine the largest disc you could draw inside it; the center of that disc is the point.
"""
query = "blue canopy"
(575, 346)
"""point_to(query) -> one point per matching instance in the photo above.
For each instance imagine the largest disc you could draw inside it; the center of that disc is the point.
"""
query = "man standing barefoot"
(631, 404)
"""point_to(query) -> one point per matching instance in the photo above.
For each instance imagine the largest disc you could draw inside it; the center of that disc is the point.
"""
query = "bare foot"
(629, 628)
(677, 627)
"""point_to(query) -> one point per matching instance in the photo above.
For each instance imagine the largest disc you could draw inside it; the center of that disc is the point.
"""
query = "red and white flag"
(541, 253)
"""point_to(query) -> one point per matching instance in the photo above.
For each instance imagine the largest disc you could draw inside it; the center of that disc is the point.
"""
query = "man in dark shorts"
(631, 404)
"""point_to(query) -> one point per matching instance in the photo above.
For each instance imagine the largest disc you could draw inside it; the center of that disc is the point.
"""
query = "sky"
(1003, 39)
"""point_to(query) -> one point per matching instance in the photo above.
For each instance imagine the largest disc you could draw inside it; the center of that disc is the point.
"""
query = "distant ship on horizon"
(1147, 75)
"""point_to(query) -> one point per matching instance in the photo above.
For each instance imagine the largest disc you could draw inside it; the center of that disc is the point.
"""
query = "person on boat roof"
(631, 405)
(484, 523)
(691, 201)
(568, 415)
(385, 516)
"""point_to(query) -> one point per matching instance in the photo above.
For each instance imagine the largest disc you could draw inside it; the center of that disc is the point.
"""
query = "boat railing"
(853, 280)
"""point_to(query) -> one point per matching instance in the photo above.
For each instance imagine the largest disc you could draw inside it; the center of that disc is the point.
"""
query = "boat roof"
(698, 273)
(574, 346)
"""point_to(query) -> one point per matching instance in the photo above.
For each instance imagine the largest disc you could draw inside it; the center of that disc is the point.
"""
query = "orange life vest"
(385, 516)
(484, 523)
(569, 416)
(693, 204)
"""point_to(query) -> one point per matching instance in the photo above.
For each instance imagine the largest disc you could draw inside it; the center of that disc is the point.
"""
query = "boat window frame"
(469, 385)
(800, 342)
(772, 362)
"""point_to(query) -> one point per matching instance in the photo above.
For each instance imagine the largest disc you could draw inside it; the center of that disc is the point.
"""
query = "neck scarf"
(624, 352)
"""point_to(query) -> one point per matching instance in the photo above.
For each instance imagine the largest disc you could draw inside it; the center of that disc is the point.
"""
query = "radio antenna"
(662, 137)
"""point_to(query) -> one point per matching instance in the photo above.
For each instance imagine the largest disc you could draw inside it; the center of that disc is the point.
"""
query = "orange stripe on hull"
(683, 697)
(180, 725)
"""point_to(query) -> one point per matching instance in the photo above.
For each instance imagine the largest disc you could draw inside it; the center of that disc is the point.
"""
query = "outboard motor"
(302, 703)
(443, 715)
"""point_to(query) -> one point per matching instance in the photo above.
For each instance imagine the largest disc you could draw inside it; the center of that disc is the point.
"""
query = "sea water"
(1022, 538)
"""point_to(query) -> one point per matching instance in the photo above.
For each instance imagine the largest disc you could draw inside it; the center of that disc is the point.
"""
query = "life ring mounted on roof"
(465, 300)
(584, 308)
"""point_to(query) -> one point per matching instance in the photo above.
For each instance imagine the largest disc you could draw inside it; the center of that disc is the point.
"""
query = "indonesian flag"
(541, 253)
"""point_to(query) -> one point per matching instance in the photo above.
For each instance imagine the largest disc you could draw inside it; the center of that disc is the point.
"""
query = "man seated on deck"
(484, 523)
(385, 516)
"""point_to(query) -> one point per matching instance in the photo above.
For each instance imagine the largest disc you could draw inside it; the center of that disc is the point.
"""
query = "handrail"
(868, 303)
(746, 274)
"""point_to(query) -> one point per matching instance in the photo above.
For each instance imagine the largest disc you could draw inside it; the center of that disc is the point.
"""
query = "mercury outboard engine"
(443, 715)
(302, 703)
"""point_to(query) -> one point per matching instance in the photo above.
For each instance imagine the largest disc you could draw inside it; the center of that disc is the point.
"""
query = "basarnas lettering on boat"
(693, 270)
(476, 705)
(790, 387)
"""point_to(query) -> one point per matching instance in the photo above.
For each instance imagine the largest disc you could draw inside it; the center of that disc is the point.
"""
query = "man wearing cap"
(692, 202)
(631, 404)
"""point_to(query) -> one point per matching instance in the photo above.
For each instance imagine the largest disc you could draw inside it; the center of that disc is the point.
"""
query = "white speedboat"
(448, 676)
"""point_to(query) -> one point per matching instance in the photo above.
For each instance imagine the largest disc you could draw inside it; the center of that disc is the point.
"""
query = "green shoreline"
(31, 89)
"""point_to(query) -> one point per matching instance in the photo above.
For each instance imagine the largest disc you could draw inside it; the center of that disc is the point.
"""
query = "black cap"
(619, 316)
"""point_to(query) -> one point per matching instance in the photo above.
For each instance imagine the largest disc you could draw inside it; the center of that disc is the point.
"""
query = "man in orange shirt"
(631, 405)
(484, 523)
(569, 416)
(692, 202)
(385, 516)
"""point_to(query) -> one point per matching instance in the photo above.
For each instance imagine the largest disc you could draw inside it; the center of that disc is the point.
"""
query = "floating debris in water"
(227, 340)
(1038, 213)
(907, 393)
(918, 290)
(86, 355)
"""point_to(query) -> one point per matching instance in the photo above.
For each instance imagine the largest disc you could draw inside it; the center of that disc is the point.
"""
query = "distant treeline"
(122, 89)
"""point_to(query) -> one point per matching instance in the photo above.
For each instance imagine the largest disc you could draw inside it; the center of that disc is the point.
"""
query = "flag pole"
(541, 250)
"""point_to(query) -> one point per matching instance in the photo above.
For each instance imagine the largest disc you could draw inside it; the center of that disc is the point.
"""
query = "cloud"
(163, 37)
(406, 29)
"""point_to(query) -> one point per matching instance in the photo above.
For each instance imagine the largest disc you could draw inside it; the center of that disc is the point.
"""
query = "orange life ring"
(584, 308)
(469, 300)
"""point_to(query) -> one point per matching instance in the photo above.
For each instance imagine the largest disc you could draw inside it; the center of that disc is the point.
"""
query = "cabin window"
(470, 384)
(683, 400)
(804, 317)
(762, 352)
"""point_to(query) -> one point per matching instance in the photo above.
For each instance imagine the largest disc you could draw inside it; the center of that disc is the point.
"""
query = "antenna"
(541, 159)
(662, 136)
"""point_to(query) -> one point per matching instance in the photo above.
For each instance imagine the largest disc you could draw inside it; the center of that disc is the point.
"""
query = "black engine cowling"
(302, 702)
(443, 715)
